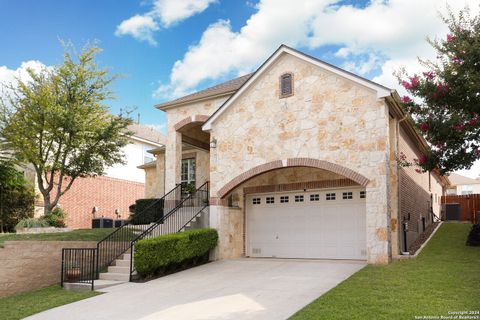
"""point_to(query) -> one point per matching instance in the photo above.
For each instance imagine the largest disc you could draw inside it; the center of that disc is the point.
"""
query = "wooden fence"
(468, 206)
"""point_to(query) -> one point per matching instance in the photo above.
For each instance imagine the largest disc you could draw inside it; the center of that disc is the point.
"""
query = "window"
(270, 200)
(299, 198)
(330, 196)
(256, 200)
(315, 197)
(286, 85)
(283, 199)
(188, 171)
(147, 156)
(363, 194)
(347, 195)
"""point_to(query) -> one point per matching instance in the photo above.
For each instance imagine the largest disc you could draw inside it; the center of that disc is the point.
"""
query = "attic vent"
(286, 85)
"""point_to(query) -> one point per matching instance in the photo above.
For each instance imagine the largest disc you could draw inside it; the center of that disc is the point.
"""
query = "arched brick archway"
(292, 162)
(192, 119)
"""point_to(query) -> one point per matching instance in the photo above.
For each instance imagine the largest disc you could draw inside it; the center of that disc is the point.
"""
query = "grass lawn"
(444, 277)
(25, 304)
(75, 235)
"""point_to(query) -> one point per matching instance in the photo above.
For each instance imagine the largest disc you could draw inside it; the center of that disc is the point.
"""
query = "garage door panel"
(312, 228)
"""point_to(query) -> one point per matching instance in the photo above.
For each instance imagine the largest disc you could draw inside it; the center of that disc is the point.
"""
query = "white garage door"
(327, 224)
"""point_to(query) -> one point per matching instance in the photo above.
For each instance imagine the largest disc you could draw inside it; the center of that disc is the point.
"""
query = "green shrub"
(154, 256)
(16, 197)
(31, 223)
(147, 211)
(56, 218)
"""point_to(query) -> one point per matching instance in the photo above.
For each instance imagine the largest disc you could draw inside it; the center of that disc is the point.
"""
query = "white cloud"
(164, 13)
(8, 76)
(139, 27)
(172, 11)
(390, 34)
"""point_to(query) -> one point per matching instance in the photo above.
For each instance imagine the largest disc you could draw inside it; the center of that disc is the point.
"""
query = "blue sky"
(167, 48)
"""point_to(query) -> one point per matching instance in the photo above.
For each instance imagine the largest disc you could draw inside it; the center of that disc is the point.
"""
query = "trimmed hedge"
(147, 211)
(172, 251)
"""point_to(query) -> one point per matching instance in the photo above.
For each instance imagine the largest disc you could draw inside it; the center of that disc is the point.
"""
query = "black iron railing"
(78, 265)
(175, 210)
(177, 219)
(120, 241)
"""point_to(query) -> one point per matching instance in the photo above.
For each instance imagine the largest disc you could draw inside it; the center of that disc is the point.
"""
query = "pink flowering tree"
(446, 107)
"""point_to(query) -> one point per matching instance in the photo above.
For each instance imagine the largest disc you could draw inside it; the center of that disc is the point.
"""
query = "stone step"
(126, 256)
(122, 263)
(97, 285)
(115, 276)
(117, 269)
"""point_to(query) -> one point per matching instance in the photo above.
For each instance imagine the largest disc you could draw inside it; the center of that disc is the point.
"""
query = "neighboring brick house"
(121, 185)
(301, 157)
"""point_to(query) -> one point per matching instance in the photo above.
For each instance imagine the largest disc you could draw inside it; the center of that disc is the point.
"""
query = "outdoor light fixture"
(213, 143)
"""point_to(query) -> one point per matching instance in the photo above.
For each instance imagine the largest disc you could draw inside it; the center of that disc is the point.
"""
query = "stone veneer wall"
(173, 147)
(30, 265)
(328, 118)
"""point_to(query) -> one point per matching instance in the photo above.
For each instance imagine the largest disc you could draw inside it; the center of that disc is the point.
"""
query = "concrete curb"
(406, 257)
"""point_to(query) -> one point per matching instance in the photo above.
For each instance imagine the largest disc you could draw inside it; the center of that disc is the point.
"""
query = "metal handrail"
(180, 223)
(124, 238)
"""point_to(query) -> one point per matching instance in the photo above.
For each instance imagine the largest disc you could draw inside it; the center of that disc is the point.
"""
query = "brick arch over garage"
(200, 118)
(292, 162)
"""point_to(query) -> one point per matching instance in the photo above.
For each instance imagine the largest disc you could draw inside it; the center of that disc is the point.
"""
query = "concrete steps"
(119, 270)
(98, 284)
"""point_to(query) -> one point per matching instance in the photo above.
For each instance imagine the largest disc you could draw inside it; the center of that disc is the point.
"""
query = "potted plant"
(72, 272)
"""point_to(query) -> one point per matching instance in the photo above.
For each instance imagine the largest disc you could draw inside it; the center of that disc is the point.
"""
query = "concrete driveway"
(229, 289)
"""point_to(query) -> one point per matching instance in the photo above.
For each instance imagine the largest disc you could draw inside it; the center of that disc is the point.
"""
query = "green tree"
(447, 104)
(16, 196)
(58, 122)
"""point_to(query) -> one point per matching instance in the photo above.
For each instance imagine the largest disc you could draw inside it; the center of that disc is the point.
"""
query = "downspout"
(404, 225)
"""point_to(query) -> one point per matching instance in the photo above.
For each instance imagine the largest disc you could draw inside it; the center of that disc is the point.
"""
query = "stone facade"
(30, 265)
(328, 118)
(332, 131)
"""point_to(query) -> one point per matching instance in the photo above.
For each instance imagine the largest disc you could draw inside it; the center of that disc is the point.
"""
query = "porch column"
(160, 175)
(173, 160)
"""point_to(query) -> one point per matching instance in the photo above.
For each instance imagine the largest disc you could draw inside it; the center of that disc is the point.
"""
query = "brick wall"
(105, 193)
(30, 265)
(415, 191)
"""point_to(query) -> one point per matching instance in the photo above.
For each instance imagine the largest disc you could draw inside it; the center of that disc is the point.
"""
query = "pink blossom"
(473, 121)
(406, 99)
(422, 160)
(402, 156)
(418, 170)
(477, 152)
(429, 75)
(459, 127)
(424, 127)
(413, 84)
(450, 38)
(457, 60)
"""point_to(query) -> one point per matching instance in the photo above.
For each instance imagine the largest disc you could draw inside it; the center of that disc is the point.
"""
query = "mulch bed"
(422, 238)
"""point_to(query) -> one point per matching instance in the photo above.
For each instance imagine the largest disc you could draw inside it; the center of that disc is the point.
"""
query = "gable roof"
(147, 133)
(219, 90)
(457, 180)
(382, 91)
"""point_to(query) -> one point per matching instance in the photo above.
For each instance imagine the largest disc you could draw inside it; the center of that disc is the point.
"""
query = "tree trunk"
(47, 205)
